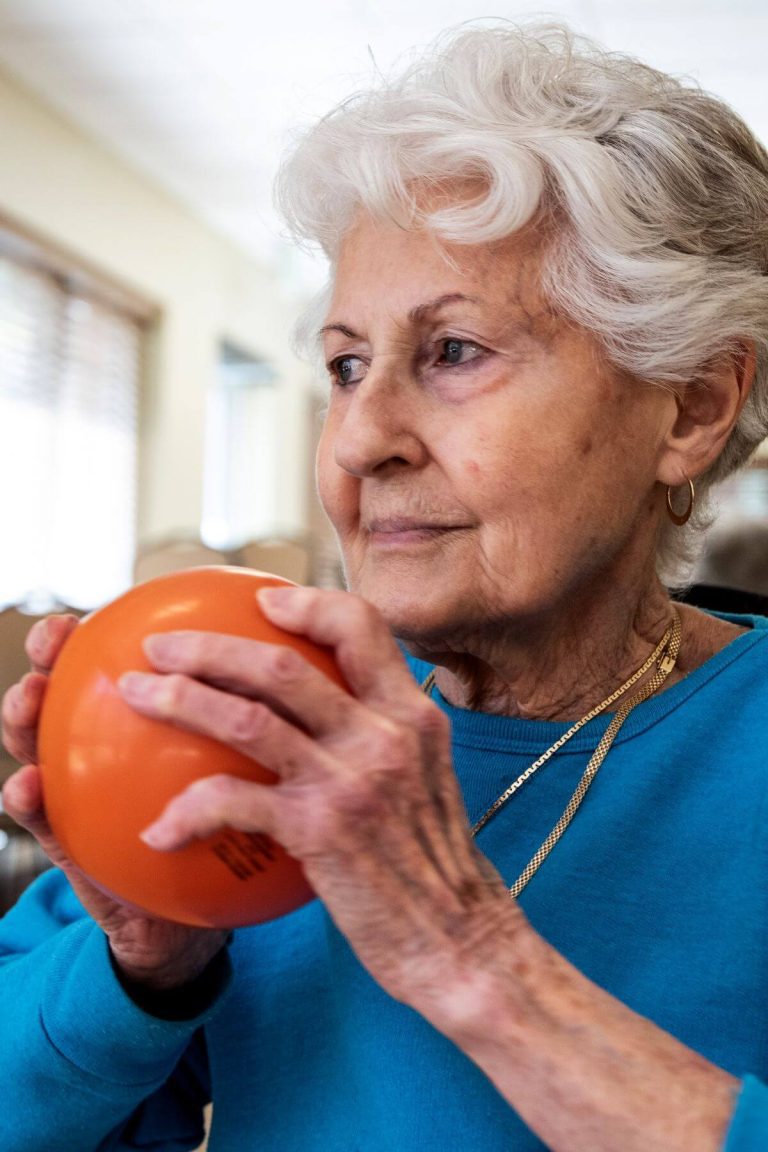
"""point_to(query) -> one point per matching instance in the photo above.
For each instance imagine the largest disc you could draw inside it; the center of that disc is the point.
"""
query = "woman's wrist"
(478, 988)
(139, 965)
(182, 997)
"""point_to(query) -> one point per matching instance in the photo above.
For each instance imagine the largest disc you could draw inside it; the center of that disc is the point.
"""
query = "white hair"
(653, 193)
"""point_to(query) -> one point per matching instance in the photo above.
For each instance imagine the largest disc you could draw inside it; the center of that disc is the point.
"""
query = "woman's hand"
(150, 952)
(366, 796)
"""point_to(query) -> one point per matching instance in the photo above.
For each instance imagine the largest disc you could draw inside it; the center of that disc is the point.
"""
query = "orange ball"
(108, 772)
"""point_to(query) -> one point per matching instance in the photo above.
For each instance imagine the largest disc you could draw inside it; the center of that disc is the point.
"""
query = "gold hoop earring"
(680, 518)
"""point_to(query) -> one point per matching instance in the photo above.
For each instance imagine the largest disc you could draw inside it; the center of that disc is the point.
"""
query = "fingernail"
(278, 599)
(158, 644)
(158, 837)
(275, 595)
(137, 685)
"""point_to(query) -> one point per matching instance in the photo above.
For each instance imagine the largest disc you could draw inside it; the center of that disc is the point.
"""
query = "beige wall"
(67, 189)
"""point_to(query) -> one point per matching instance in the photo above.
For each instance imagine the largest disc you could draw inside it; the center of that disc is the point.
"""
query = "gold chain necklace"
(664, 656)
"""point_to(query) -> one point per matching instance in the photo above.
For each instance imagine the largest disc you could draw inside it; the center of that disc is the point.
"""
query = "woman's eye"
(347, 369)
(458, 351)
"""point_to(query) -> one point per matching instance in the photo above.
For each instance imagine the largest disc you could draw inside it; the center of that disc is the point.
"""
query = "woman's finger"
(365, 650)
(23, 797)
(23, 801)
(23, 701)
(248, 726)
(45, 640)
(209, 805)
(20, 714)
(276, 674)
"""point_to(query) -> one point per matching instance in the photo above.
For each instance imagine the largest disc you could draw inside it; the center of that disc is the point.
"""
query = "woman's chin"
(425, 603)
(419, 614)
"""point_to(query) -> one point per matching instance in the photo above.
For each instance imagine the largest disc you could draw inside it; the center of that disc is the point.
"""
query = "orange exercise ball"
(108, 772)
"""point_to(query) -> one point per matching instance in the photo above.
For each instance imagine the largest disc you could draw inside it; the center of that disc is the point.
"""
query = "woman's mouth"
(399, 532)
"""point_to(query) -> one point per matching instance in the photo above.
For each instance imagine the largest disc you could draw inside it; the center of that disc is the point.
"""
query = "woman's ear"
(707, 410)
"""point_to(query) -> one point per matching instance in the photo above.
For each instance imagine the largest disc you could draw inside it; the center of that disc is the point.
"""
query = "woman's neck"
(560, 665)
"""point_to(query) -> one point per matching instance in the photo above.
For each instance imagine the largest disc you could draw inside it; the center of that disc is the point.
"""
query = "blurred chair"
(717, 598)
(732, 573)
(173, 554)
(287, 558)
(736, 556)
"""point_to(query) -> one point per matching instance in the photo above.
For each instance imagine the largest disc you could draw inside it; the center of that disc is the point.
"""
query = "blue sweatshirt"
(657, 892)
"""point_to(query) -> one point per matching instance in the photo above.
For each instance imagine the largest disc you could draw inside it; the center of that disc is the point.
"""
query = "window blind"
(69, 379)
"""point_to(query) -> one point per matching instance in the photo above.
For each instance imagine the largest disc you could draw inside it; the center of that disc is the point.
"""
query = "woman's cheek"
(330, 479)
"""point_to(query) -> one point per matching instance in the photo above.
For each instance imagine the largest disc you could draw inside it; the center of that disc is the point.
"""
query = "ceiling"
(202, 95)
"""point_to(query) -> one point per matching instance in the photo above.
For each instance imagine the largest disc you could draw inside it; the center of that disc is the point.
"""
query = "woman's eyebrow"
(416, 315)
(422, 311)
(345, 331)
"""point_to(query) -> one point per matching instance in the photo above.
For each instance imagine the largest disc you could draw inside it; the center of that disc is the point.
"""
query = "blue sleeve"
(82, 1066)
(748, 1131)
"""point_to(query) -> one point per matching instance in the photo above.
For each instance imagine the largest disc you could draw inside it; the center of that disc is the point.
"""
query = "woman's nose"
(378, 430)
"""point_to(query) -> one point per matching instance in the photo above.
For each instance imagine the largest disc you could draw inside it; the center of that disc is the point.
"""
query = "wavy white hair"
(653, 194)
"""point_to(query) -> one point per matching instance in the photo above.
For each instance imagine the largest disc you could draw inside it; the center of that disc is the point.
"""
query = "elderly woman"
(536, 825)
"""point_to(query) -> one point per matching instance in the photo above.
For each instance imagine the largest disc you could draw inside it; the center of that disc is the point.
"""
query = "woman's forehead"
(392, 238)
(414, 274)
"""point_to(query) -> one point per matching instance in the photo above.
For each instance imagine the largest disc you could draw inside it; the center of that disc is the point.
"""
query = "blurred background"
(152, 413)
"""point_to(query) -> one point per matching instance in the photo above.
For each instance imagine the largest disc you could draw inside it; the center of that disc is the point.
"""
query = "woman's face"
(481, 460)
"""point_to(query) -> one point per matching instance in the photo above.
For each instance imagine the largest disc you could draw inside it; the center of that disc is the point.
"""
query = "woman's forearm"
(585, 1072)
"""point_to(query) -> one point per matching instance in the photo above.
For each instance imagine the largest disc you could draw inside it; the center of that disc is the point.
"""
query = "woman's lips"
(393, 533)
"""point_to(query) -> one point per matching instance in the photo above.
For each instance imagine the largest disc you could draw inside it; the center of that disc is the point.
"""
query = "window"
(69, 378)
(240, 476)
